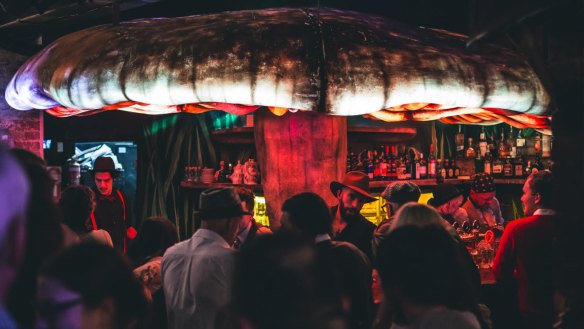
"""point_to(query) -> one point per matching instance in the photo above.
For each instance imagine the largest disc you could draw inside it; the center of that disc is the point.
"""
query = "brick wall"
(21, 129)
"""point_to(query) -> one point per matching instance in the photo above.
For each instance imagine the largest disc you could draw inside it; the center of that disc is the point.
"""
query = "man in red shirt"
(525, 253)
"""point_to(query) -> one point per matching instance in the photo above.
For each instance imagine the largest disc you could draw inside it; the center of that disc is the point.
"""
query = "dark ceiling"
(28, 25)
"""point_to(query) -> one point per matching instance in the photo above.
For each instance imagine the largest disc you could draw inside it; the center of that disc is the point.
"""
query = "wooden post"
(298, 152)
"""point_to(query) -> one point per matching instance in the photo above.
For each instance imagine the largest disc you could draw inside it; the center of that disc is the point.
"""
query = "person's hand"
(131, 233)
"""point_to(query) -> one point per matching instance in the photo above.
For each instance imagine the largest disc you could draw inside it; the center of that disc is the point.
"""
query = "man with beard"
(348, 223)
(482, 205)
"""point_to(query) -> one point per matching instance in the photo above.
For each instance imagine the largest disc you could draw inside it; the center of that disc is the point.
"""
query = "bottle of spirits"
(470, 151)
(370, 165)
(503, 153)
(537, 144)
(455, 168)
(518, 166)
(497, 168)
(392, 164)
(451, 168)
(447, 169)
(536, 165)
(546, 146)
(441, 169)
(487, 169)
(483, 144)
(491, 146)
(402, 171)
(511, 146)
(423, 168)
(527, 169)
(459, 142)
(507, 168)
(520, 142)
(432, 163)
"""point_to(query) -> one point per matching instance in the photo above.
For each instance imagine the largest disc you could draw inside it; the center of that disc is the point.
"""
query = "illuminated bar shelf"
(374, 185)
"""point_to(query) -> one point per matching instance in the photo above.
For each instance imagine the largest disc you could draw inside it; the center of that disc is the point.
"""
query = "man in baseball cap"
(396, 195)
(348, 223)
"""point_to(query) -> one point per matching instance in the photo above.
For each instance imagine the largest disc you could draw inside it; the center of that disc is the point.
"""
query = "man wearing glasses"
(482, 205)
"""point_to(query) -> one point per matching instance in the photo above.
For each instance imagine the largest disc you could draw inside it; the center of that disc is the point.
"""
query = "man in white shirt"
(197, 273)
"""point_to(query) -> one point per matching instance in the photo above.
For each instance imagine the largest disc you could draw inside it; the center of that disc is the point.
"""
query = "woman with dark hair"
(77, 203)
(155, 236)
(89, 286)
(425, 282)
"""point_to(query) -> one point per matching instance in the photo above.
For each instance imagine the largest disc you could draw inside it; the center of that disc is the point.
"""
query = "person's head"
(399, 193)
(14, 194)
(537, 192)
(482, 190)
(155, 236)
(306, 213)
(446, 199)
(422, 267)
(221, 211)
(88, 285)
(297, 288)
(104, 173)
(352, 193)
(77, 203)
(247, 202)
(416, 214)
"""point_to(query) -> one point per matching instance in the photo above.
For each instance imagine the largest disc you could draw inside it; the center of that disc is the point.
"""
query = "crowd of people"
(79, 264)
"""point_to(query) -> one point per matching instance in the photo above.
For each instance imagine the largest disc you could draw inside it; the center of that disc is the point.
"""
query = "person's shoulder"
(261, 229)
(365, 223)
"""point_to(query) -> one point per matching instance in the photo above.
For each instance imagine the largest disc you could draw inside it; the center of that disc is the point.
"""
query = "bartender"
(482, 206)
(112, 212)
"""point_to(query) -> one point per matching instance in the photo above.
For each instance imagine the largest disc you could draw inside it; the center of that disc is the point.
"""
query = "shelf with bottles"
(513, 156)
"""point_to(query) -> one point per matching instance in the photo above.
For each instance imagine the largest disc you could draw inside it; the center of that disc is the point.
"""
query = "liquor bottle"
(508, 168)
(382, 167)
(491, 146)
(518, 165)
(503, 153)
(451, 169)
(537, 144)
(511, 146)
(402, 171)
(423, 168)
(441, 169)
(483, 144)
(448, 173)
(487, 169)
(536, 165)
(455, 168)
(393, 164)
(546, 146)
(497, 167)
(528, 168)
(432, 163)
(370, 165)
(459, 142)
(470, 151)
(520, 142)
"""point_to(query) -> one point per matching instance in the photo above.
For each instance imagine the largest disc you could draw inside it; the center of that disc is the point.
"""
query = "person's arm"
(505, 260)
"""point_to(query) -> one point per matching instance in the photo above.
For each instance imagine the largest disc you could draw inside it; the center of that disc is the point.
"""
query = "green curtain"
(169, 144)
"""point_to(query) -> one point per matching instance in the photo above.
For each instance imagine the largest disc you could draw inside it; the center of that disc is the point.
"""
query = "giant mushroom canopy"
(312, 61)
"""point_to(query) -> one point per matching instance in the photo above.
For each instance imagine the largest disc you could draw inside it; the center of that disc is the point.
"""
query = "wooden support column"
(298, 152)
